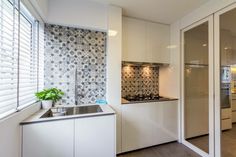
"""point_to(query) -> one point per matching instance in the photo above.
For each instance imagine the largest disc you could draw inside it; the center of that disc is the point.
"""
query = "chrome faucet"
(76, 87)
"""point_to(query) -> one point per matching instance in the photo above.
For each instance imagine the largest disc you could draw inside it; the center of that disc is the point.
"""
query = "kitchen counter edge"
(35, 118)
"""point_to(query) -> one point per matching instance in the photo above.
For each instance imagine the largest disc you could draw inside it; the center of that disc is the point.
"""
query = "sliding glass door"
(209, 84)
(225, 82)
(197, 87)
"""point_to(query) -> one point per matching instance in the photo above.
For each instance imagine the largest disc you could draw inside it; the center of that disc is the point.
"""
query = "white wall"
(114, 66)
(78, 13)
(169, 77)
(10, 132)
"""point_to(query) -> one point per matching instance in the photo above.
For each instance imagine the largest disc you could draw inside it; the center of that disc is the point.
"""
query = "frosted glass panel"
(196, 86)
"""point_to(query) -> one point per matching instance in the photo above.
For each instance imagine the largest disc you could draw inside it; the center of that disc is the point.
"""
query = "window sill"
(20, 110)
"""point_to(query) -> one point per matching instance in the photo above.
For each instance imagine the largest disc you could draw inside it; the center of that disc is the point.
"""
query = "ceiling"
(163, 11)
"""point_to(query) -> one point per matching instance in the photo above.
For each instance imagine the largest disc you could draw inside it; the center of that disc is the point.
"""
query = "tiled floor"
(166, 150)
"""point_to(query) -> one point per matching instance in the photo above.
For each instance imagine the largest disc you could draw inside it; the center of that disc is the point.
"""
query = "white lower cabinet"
(136, 126)
(233, 104)
(81, 137)
(226, 118)
(95, 137)
(49, 139)
(148, 124)
(234, 117)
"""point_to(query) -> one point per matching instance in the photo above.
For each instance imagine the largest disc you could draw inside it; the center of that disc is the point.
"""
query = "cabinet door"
(233, 104)
(148, 124)
(164, 122)
(136, 126)
(158, 39)
(95, 136)
(234, 117)
(226, 118)
(134, 40)
(49, 139)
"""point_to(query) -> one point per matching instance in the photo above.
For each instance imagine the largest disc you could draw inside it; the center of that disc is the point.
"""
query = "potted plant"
(49, 96)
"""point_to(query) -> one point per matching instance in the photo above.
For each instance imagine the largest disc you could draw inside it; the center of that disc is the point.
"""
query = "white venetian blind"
(21, 55)
(41, 57)
(8, 56)
(27, 64)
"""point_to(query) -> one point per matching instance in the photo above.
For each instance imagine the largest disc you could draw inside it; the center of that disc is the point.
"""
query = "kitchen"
(117, 78)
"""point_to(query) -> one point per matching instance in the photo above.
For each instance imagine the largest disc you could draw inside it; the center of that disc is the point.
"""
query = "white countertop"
(35, 118)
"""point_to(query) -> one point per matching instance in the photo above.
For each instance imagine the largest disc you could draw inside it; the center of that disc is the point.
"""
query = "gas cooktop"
(142, 97)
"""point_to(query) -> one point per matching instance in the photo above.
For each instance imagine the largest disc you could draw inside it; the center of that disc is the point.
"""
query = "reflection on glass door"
(227, 34)
(196, 86)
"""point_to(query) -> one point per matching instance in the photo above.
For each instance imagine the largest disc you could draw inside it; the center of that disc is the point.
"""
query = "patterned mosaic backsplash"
(69, 48)
(140, 80)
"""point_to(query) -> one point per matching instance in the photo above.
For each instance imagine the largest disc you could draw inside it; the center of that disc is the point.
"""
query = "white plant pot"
(46, 104)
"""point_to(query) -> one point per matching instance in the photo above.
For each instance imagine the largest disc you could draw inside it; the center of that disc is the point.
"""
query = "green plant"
(50, 94)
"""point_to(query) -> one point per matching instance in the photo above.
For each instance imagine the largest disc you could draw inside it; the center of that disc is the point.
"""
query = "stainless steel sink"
(68, 111)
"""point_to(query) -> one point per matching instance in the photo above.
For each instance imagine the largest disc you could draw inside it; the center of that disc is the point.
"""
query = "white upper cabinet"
(134, 40)
(158, 39)
(145, 41)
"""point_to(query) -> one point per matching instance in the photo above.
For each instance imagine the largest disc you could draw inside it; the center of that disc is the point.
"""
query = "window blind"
(21, 55)
(41, 57)
(27, 63)
(8, 57)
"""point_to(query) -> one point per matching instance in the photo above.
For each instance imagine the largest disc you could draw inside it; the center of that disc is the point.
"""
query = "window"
(21, 57)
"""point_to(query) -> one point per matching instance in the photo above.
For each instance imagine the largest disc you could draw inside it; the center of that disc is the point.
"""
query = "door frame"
(208, 19)
(217, 77)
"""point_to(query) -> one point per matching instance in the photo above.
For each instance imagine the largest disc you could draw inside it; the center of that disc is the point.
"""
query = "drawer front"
(226, 113)
(226, 124)
(233, 96)
(233, 104)
(234, 116)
